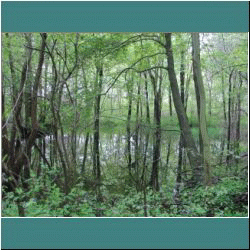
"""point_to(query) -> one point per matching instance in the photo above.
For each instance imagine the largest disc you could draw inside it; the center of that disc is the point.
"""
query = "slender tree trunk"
(28, 89)
(45, 110)
(238, 113)
(96, 139)
(74, 125)
(197, 91)
(145, 202)
(156, 150)
(4, 125)
(111, 102)
(96, 152)
(223, 97)
(63, 150)
(129, 132)
(64, 166)
(41, 145)
(55, 108)
(5, 142)
(179, 167)
(76, 114)
(170, 101)
(154, 181)
(28, 105)
(13, 130)
(210, 102)
(182, 78)
(147, 99)
(237, 139)
(168, 153)
(228, 159)
(186, 93)
(136, 139)
(85, 153)
(147, 133)
(39, 167)
(222, 150)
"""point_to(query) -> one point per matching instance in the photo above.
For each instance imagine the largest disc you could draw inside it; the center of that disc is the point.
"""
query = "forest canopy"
(124, 124)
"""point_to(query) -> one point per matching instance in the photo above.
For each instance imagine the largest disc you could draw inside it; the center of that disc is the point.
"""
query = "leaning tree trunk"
(189, 143)
(179, 167)
(201, 106)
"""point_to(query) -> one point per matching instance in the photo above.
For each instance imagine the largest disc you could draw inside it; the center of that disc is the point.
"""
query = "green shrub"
(218, 199)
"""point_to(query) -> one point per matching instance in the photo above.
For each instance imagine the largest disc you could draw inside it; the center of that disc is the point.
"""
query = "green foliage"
(79, 203)
(219, 198)
(132, 204)
(52, 203)
(73, 96)
(108, 125)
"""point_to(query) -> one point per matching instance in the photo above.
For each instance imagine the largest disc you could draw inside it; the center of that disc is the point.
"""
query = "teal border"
(114, 233)
(136, 16)
(110, 233)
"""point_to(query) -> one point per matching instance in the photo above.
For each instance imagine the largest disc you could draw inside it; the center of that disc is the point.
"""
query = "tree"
(16, 154)
(96, 123)
(189, 144)
(201, 107)
(156, 81)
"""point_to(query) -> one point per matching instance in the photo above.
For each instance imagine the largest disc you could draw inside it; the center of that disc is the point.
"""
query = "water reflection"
(113, 147)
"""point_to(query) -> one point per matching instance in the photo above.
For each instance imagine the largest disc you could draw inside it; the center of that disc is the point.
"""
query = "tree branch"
(138, 71)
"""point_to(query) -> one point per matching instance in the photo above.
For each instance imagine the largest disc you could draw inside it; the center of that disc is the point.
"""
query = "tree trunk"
(85, 152)
(28, 84)
(136, 139)
(129, 132)
(18, 155)
(210, 101)
(237, 139)
(228, 159)
(201, 107)
(189, 143)
(96, 152)
(147, 99)
(223, 97)
(170, 101)
(154, 181)
(27, 103)
(168, 153)
(179, 167)
(55, 108)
